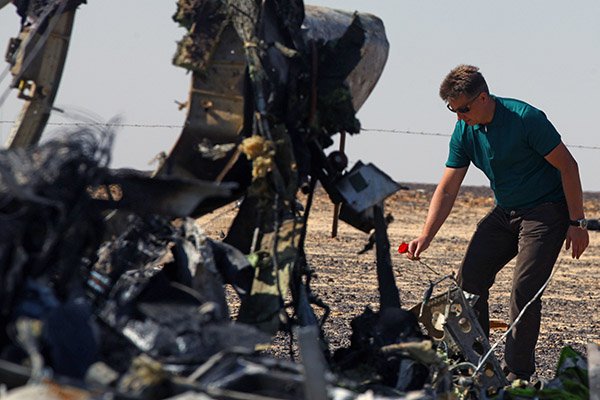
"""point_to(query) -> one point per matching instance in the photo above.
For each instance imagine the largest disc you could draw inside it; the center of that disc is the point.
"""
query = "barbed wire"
(116, 125)
(408, 132)
(177, 126)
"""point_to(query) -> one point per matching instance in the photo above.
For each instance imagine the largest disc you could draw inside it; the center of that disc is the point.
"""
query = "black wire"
(174, 126)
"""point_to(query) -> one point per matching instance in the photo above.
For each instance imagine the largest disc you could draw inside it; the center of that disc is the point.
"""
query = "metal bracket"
(449, 318)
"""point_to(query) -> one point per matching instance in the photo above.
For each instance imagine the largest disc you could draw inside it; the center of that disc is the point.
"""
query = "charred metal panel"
(365, 186)
(389, 295)
(449, 318)
(175, 197)
(216, 96)
(327, 24)
(230, 375)
(215, 114)
(216, 104)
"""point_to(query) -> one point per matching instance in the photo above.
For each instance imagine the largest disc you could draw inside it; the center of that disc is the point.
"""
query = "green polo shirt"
(510, 151)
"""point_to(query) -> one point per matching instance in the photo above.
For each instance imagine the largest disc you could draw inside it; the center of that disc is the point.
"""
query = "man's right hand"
(416, 247)
(439, 208)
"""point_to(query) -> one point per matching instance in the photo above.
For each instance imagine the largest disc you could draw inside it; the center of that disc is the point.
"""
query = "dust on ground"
(347, 281)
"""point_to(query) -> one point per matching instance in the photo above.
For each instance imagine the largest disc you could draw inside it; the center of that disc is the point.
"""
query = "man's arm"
(562, 160)
(439, 208)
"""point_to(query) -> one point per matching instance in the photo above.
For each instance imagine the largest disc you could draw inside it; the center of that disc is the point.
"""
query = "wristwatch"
(580, 223)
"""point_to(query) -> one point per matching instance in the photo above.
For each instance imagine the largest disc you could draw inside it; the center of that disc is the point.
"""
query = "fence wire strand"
(178, 126)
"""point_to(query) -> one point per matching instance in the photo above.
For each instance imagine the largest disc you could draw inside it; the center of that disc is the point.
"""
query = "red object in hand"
(403, 248)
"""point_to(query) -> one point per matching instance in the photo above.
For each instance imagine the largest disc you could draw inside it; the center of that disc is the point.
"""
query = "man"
(538, 200)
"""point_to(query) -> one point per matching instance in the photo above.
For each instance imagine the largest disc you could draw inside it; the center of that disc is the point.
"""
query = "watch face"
(580, 223)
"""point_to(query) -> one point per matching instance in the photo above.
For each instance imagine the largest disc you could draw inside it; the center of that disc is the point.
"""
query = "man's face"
(468, 109)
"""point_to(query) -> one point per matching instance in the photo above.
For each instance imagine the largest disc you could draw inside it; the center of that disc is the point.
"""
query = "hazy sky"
(545, 52)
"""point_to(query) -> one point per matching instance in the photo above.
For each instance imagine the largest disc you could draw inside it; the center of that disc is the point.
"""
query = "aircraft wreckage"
(110, 289)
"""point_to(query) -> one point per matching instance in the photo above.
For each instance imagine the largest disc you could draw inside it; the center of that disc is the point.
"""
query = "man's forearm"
(573, 192)
(439, 209)
(561, 159)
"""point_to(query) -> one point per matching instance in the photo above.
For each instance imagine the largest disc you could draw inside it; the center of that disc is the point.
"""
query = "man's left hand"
(578, 240)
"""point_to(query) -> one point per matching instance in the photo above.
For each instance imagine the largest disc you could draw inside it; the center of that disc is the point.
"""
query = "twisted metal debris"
(108, 286)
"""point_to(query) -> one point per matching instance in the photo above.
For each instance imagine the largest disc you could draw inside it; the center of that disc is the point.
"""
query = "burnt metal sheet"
(215, 112)
(176, 197)
(389, 295)
(216, 96)
(216, 106)
(365, 186)
(329, 24)
(237, 375)
(140, 283)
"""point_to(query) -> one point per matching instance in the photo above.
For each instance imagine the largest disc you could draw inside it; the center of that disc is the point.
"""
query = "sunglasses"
(464, 109)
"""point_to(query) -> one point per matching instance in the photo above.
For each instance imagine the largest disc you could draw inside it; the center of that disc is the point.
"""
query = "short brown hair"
(464, 79)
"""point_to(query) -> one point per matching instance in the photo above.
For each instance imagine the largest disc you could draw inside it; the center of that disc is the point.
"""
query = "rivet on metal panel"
(206, 104)
(456, 309)
(489, 370)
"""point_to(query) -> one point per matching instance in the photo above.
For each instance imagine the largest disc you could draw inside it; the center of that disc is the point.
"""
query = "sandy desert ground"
(347, 282)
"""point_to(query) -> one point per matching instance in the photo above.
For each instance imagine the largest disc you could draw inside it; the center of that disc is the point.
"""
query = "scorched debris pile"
(108, 282)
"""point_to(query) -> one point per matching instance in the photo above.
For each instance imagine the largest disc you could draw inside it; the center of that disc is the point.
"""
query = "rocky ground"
(347, 282)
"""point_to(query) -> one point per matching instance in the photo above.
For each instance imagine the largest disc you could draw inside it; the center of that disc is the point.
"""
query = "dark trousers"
(535, 236)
